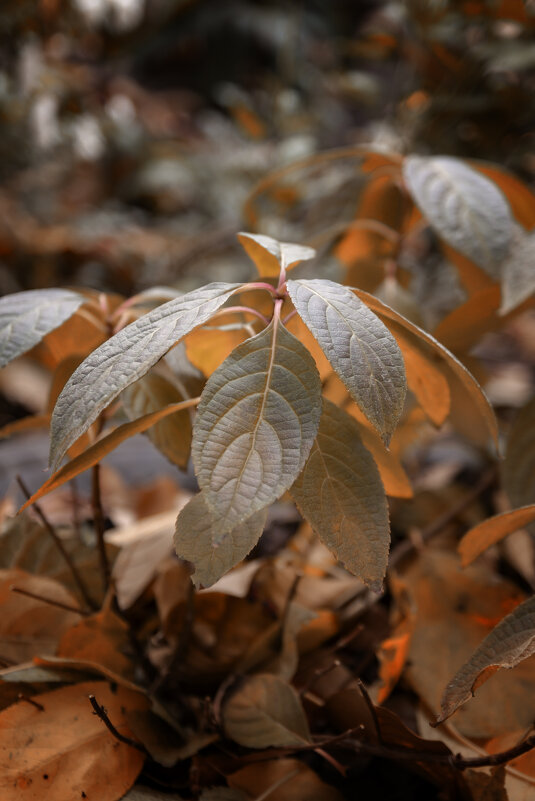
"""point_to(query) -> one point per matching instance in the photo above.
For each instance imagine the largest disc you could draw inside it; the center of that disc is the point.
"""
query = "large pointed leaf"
(126, 357)
(255, 425)
(492, 530)
(510, 642)
(341, 495)
(360, 348)
(265, 711)
(197, 540)
(96, 452)
(27, 317)
(465, 377)
(463, 206)
(269, 255)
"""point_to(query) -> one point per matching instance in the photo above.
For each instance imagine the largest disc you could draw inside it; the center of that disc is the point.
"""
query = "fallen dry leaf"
(72, 753)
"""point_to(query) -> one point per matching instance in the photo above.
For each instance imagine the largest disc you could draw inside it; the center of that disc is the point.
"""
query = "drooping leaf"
(341, 495)
(465, 208)
(491, 531)
(269, 255)
(27, 317)
(518, 274)
(518, 466)
(72, 753)
(198, 540)
(465, 378)
(358, 345)
(265, 711)
(509, 643)
(126, 357)
(255, 424)
(102, 447)
(172, 434)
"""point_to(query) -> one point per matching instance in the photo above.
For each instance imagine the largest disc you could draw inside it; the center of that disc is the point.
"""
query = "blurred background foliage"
(133, 131)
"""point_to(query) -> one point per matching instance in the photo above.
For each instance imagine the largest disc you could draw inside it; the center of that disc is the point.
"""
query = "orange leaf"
(468, 383)
(491, 531)
(72, 753)
(97, 451)
(520, 197)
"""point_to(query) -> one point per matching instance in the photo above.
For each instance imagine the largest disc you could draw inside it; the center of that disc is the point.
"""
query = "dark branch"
(101, 713)
(50, 601)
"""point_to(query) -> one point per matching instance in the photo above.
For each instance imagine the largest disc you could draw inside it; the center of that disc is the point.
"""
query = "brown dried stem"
(101, 713)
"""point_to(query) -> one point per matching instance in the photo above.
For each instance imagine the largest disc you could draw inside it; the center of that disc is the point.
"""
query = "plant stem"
(98, 522)
(60, 546)
(259, 285)
(244, 309)
(101, 713)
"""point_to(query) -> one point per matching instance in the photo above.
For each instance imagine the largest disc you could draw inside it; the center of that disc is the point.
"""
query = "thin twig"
(60, 546)
(50, 601)
(396, 753)
(372, 710)
(101, 713)
(31, 701)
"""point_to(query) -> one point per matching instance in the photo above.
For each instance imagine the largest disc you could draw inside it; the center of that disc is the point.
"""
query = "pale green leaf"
(256, 422)
(341, 495)
(198, 540)
(172, 435)
(27, 317)
(464, 207)
(126, 357)
(510, 642)
(269, 255)
(359, 346)
(265, 711)
(518, 273)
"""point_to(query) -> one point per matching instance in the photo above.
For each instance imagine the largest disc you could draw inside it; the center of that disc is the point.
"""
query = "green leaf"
(27, 317)
(172, 435)
(197, 538)
(126, 357)
(359, 346)
(269, 255)
(341, 495)
(265, 711)
(464, 207)
(256, 422)
(509, 643)
(518, 273)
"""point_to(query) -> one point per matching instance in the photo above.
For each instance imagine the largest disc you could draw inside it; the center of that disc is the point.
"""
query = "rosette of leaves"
(261, 426)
